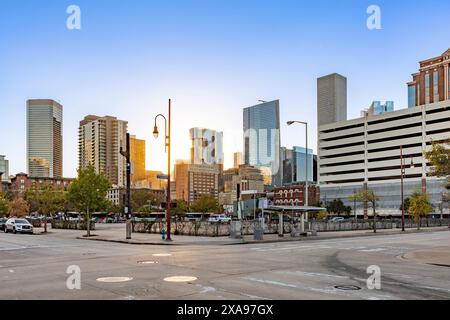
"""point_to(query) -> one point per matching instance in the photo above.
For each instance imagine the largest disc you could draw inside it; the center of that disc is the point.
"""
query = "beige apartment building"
(99, 143)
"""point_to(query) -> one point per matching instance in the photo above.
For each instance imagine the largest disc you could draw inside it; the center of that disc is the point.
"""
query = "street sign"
(162, 177)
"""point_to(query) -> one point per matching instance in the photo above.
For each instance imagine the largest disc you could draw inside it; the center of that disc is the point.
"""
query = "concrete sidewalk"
(118, 236)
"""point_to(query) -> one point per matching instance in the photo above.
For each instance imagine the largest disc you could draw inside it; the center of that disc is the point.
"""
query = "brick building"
(294, 195)
(22, 182)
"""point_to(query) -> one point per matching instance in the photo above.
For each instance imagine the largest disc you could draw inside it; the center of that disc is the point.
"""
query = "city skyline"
(206, 76)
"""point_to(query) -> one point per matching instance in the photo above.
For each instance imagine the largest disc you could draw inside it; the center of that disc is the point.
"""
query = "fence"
(71, 225)
(207, 229)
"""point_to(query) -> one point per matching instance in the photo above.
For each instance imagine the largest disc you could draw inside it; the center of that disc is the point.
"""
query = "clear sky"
(212, 57)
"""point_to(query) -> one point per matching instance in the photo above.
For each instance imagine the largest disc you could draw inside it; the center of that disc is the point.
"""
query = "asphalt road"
(34, 267)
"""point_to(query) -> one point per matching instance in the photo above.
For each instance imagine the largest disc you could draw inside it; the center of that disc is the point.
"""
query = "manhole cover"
(148, 262)
(347, 288)
(180, 279)
(114, 279)
(161, 255)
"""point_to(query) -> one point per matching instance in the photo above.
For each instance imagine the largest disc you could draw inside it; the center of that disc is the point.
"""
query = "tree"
(439, 157)
(406, 203)
(367, 195)
(420, 206)
(143, 198)
(46, 201)
(180, 208)
(88, 193)
(4, 206)
(205, 204)
(337, 207)
(18, 208)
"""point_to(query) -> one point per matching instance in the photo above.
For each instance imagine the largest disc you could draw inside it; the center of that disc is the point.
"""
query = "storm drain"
(114, 279)
(347, 288)
(180, 279)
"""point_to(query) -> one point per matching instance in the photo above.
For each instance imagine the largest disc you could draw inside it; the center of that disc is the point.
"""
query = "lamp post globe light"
(167, 149)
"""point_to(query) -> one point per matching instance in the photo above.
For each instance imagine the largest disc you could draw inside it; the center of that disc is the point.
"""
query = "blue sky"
(212, 57)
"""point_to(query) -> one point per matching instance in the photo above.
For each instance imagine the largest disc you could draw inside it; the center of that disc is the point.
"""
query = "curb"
(284, 240)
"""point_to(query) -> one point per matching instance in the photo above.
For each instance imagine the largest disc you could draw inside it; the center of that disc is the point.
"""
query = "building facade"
(22, 182)
(238, 159)
(295, 195)
(244, 178)
(194, 181)
(137, 158)
(118, 195)
(207, 146)
(331, 99)
(99, 142)
(431, 83)
(4, 169)
(262, 140)
(365, 152)
(44, 138)
(294, 165)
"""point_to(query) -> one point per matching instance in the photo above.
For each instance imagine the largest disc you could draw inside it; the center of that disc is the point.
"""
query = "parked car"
(15, 225)
(337, 219)
(219, 218)
(2, 223)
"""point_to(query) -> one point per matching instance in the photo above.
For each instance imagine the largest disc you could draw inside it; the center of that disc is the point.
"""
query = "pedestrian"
(163, 233)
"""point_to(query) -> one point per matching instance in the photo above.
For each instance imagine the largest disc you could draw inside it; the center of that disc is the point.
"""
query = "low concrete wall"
(71, 225)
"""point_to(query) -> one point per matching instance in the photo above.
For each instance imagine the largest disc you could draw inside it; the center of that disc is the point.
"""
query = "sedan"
(18, 226)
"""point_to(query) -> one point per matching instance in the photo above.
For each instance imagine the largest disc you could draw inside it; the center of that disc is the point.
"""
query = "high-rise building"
(4, 169)
(294, 161)
(262, 140)
(431, 84)
(44, 138)
(246, 177)
(137, 158)
(99, 141)
(196, 180)
(331, 99)
(207, 146)
(238, 159)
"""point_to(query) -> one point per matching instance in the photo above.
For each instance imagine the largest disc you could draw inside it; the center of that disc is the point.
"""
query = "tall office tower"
(262, 140)
(431, 84)
(288, 163)
(207, 146)
(44, 138)
(137, 158)
(99, 143)
(196, 180)
(4, 170)
(331, 99)
(301, 161)
(238, 159)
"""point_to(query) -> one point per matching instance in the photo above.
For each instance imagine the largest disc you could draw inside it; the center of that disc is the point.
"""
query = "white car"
(337, 219)
(220, 218)
(18, 226)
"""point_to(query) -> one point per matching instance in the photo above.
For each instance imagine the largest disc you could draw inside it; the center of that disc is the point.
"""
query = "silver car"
(16, 225)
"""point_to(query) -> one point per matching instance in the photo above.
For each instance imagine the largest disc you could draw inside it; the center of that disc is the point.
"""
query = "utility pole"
(127, 209)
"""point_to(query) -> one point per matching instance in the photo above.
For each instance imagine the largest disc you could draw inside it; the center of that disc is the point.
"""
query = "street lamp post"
(402, 174)
(167, 149)
(306, 204)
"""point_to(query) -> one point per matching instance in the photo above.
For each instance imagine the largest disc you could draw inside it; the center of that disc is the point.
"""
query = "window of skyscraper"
(435, 87)
(411, 96)
(427, 88)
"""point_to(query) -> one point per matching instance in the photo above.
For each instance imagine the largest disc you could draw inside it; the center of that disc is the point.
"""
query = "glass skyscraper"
(301, 161)
(262, 140)
(44, 138)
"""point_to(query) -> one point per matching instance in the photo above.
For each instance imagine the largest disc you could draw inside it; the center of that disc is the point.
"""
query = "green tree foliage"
(180, 208)
(337, 207)
(370, 197)
(4, 206)
(420, 206)
(205, 204)
(142, 199)
(18, 208)
(439, 157)
(88, 193)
